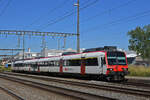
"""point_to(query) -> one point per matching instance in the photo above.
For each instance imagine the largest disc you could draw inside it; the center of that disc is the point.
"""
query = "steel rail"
(144, 85)
(60, 90)
(11, 93)
(144, 93)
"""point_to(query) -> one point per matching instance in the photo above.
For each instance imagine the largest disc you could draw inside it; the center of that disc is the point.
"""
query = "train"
(102, 64)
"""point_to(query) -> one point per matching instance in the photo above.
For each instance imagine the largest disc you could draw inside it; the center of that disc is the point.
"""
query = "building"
(53, 52)
(131, 56)
(135, 59)
(27, 55)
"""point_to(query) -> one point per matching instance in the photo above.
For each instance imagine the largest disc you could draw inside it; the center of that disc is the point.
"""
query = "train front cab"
(115, 66)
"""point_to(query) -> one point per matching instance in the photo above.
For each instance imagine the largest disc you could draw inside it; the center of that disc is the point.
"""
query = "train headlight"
(125, 69)
(110, 69)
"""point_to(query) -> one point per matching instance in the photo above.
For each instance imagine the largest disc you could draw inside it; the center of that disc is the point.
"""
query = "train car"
(108, 65)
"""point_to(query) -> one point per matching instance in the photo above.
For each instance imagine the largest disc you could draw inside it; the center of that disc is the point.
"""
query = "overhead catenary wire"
(90, 4)
(82, 3)
(108, 10)
(66, 15)
(6, 6)
(128, 18)
(52, 10)
(57, 20)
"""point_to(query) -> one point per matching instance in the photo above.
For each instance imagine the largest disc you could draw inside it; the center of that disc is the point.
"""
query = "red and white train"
(109, 65)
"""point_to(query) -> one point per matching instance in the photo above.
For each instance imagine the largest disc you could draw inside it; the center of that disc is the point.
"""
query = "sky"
(102, 22)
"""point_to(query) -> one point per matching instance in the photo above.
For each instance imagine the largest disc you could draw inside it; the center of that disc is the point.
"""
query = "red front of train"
(116, 63)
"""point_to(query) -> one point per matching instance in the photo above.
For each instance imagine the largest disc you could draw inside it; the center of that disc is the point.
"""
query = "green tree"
(140, 41)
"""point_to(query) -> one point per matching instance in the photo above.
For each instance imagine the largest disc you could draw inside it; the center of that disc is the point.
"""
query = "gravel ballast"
(29, 93)
(111, 94)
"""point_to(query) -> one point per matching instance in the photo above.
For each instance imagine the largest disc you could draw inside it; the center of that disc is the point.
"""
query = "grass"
(139, 71)
(5, 69)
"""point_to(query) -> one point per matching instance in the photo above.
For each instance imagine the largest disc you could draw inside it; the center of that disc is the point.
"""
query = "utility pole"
(12, 56)
(58, 43)
(22, 34)
(64, 42)
(23, 44)
(78, 31)
(43, 42)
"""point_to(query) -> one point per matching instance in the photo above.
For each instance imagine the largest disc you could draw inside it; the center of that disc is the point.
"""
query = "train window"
(49, 63)
(116, 58)
(19, 65)
(45, 63)
(75, 62)
(56, 63)
(91, 62)
(103, 62)
(15, 65)
(33, 65)
(72, 62)
(66, 63)
(40, 64)
(52, 63)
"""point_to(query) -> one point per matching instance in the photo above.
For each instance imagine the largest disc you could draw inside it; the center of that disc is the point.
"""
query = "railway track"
(11, 93)
(60, 90)
(131, 91)
(139, 84)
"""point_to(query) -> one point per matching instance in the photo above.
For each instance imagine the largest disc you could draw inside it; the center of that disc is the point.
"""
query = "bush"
(2, 69)
(139, 71)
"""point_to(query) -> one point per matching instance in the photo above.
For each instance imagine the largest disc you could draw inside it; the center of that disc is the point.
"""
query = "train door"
(34, 66)
(29, 67)
(61, 65)
(82, 65)
(99, 65)
(103, 65)
(37, 67)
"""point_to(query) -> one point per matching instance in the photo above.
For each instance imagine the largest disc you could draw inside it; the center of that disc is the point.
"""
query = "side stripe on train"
(61, 66)
(82, 66)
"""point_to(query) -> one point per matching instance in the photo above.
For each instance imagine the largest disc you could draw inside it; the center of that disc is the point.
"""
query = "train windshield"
(116, 58)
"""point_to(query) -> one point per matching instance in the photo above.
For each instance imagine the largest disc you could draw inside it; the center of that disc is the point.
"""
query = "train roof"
(105, 48)
(71, 56)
